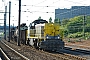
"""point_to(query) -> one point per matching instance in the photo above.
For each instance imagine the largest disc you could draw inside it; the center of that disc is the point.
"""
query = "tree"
(64, 22)
(50, 19)
(39, 17)
(57, 21)
(73, 27)
(75, 24)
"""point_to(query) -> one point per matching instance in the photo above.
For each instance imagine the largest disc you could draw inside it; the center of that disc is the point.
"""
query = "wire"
(36, 4)
(41, 6)
(37, 11)
(50, 4)
(75, 2)
(64, 12)
(40, 2)
(54, 6)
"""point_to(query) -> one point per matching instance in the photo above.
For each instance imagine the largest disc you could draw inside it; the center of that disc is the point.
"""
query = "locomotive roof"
(40, 21)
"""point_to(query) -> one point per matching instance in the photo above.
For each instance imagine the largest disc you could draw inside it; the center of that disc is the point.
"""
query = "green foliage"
(75, 24)
(65, 32)
(75, 35)
(50, 19)
(69, 41)
(65, 21)
(73, 28)
(79, 35)
(57, 21)
(39, 17)
(87, 35)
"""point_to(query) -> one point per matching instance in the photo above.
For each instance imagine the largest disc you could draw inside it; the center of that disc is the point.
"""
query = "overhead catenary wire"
(39, 10)
(50, 4)
(53, 3)
(58, 13)
(42, 6)
(35, 5)
(54, 6)
(76, 2)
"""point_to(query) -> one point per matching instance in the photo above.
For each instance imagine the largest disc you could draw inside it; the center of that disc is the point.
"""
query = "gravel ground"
(31, 52)
(34, 54)
(80, 43)
(83, 44)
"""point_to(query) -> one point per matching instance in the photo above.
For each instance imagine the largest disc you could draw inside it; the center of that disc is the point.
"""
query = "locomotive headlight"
(58, 37)
(47, 37)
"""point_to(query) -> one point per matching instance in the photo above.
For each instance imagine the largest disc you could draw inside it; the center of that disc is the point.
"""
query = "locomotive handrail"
(32, 37)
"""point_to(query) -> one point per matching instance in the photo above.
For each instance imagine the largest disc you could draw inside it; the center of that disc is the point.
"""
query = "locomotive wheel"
(36, 43)
(27, 42)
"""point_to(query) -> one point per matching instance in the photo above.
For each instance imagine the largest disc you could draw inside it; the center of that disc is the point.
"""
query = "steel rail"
(16, 51)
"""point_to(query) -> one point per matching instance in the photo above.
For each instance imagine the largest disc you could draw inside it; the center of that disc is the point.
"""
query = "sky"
(36, 8)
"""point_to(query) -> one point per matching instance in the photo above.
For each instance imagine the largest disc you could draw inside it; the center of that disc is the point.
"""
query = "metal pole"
(13, 25)
(19, 17)
(5, 23)
(4, 26)
(9, 19)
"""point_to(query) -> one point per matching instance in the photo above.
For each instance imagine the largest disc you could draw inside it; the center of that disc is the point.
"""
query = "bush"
(79, 35)
(75, 35)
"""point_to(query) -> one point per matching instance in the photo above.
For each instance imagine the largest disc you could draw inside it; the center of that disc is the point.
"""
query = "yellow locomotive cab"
(53, 29)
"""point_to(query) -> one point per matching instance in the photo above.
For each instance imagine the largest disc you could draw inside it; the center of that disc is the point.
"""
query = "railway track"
(11, 54)
(78, 48)
(81, 50)
(35, 54)
(65, 56)
(3, 55)
(83, 47)
(77, 53)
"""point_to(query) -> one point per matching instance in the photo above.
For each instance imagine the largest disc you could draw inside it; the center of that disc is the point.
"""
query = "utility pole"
(9, 19)
(84, 26)
(5, 22)
(19, 17)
